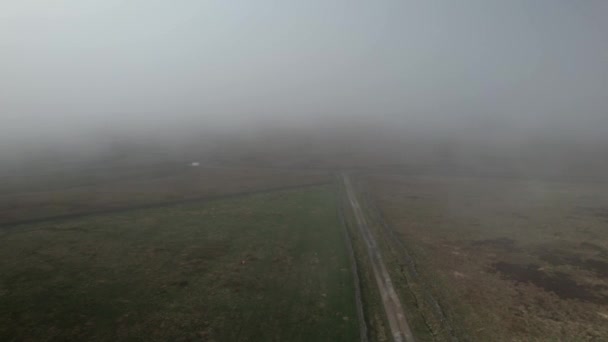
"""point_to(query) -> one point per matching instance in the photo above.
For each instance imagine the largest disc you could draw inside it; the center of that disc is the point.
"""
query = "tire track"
(400, 329)
(354, 269)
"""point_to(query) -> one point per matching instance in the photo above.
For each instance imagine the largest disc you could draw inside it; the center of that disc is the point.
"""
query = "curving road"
(400, 329)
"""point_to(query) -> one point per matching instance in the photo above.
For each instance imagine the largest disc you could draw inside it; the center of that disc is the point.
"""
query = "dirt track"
(400, 329)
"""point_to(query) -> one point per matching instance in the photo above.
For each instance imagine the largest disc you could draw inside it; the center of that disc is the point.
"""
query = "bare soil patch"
(558, 283)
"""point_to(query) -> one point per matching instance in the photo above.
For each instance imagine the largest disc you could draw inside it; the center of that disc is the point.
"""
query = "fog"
(89, 73)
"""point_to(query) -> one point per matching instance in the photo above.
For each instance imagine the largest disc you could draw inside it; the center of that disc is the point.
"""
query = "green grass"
(269, 267)
(86, 191)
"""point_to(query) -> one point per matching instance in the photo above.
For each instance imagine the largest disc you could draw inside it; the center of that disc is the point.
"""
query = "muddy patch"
(558, 283)
(65, 228)
(502, 244)
(598, 250)
(599, 212)
(180, 283)
(559, 258)
(208, 251)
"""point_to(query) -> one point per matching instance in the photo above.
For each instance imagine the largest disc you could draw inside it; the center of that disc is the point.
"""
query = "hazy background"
(91, 73)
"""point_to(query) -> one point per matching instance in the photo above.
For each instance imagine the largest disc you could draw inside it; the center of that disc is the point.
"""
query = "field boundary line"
(208, 198)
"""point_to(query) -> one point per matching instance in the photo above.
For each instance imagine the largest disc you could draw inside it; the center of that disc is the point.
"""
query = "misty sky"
(73, 67)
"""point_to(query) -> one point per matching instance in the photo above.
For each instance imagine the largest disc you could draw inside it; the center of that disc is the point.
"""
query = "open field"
(308, 171)
(267, 267)
(155, 249)
(65, 192)
(507, 259)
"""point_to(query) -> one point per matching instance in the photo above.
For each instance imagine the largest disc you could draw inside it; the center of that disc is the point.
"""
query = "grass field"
(81, 190)
(508, 259)
(266, 267)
